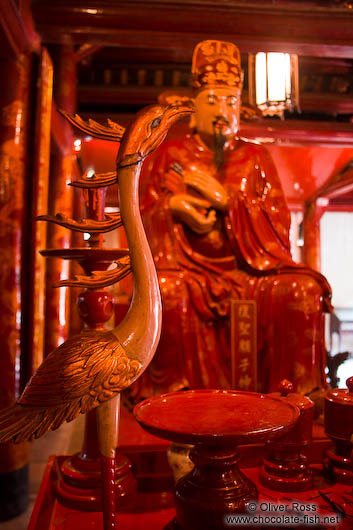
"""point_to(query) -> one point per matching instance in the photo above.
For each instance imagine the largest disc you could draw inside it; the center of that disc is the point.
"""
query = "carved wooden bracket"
(112, 132)
(99, 279)
(111, 222)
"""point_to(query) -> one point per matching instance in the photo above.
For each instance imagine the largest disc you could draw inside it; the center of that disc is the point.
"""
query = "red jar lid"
(342, 396)
(285, 391)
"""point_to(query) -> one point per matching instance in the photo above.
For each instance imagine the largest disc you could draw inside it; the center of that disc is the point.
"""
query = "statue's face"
(217, 110)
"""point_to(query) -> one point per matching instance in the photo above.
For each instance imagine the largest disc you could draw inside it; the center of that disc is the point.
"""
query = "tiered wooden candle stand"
(79, 477)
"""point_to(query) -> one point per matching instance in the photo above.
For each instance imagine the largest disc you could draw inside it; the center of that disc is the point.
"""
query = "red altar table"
(153, 507)
(49, 514)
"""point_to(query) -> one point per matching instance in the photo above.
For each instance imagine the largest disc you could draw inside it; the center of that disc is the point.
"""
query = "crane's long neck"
(139, 332)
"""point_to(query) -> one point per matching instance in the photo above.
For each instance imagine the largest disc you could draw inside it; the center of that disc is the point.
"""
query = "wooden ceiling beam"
(180, 25)
(336, 186)
(116, 56)
(293, 132)
(326, 103)
(324, 65)
(145, 39)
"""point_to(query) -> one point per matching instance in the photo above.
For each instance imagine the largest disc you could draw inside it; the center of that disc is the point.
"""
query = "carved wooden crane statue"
(90, 369)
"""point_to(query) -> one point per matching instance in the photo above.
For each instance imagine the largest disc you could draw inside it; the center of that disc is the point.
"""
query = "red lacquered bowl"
(216, 417)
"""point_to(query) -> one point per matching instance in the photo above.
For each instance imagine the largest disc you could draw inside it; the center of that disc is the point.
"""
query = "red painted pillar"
(38, 204)
(14, 101)
(311, 234)
(60, 200)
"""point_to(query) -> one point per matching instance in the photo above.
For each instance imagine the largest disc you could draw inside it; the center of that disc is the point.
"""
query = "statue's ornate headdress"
(216, 63)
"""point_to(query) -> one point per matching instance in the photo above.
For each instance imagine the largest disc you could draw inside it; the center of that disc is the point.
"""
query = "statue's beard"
(219, 139)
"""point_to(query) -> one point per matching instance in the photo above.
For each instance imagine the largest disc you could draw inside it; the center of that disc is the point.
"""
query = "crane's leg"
(107, 424)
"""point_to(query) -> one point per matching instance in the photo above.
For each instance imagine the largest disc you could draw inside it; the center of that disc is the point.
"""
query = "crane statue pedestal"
(215, 421)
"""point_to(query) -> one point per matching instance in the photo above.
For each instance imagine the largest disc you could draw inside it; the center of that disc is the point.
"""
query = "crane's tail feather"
(20, 423)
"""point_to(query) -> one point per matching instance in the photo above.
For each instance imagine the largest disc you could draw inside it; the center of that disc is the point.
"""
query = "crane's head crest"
(148, 130)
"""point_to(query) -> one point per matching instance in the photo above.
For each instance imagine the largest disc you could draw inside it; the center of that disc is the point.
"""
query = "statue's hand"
(194, 212)
(207, 186)
(173, 182)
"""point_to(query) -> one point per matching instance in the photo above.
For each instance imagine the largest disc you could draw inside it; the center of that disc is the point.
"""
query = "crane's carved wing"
(85, 371)
(112, 132)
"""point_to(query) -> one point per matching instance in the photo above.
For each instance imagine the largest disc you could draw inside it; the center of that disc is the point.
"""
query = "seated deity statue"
(218, 225)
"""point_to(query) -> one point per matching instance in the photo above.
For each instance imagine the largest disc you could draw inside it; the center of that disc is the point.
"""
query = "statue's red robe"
(246, 255)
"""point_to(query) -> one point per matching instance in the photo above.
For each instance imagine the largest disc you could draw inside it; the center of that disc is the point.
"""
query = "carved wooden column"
(311, 231)
(14, 95)
(60, 200)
